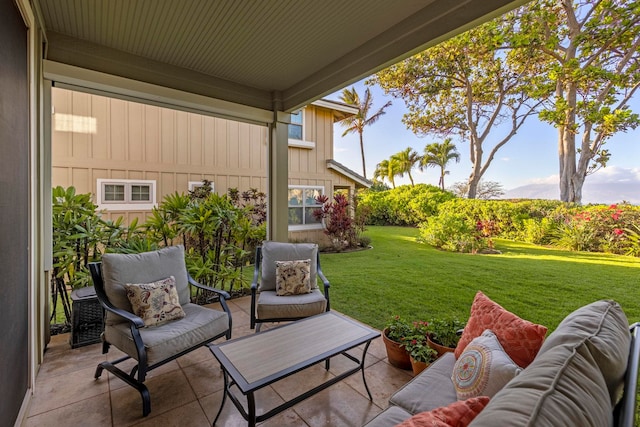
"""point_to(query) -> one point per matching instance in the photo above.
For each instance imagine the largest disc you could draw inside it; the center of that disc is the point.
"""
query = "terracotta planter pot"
(439, 348)
(417, 366)
(397, 355)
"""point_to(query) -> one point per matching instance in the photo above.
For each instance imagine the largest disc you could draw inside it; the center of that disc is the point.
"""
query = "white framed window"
(126, 194)
(302, 203)
(296, 131)
(195, 184)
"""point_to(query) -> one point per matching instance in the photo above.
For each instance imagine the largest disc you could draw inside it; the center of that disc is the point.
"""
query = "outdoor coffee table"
(255, 361)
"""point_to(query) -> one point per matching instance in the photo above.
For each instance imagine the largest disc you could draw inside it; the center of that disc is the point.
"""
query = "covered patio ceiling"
(272, 55)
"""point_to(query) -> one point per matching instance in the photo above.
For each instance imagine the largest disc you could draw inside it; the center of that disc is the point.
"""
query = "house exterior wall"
(96, 137)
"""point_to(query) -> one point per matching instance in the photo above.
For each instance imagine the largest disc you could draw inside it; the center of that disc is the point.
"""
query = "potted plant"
(393, 334)
(416, 344)
(444, 334)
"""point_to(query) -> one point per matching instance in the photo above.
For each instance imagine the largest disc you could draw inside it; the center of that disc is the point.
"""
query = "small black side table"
(87, 318)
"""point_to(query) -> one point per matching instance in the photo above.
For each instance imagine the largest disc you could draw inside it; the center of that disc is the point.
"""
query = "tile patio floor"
(188, 391)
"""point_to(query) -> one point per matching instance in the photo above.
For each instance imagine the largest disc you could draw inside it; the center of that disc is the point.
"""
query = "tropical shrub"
(452, 232)
(404, 205)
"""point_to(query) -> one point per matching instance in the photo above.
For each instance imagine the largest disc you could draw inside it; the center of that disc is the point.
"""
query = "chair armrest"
(220, 292)
(130, 317)
(626, 408)
(254, 281)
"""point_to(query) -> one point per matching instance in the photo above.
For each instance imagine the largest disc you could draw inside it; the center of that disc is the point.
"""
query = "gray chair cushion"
(389, 417)
(429, 390)
(561, 387)
(278, 251)
(272, 306)
(603, 326)
(120, 269)
(164, 341)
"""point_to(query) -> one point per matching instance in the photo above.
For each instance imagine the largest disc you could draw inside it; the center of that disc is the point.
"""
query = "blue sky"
(530, 157)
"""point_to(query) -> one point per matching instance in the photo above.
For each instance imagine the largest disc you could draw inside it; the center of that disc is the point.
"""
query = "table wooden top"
(256, 360)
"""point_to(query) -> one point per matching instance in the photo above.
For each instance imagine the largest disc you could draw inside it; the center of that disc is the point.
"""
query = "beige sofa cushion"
(604, 328)
(429, 390)
(120, 269)
(278, 251)
(562, 387)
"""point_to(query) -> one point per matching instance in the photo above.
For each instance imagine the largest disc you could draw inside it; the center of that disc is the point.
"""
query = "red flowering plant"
(599, 228)
(416, 343)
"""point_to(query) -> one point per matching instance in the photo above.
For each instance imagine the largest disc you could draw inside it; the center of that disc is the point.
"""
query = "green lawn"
(401, 276)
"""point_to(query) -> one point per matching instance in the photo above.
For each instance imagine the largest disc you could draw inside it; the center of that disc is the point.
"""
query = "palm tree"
(405, 161)
(356, 124)
(436, 154)
(385, 169)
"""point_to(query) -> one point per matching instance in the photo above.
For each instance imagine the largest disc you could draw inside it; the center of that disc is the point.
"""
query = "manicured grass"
(418, 282)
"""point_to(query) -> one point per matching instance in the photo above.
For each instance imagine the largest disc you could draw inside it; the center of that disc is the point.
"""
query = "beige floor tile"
(53, 392)
(205, 377)
(189, 415)
(168, 391)
(337, 406)
(62, 359)
(95, 412)
(382, 379)
(116, 383)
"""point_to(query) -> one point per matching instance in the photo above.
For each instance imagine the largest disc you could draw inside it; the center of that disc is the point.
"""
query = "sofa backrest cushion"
(604, 328)
(562, 387)
(520, 338)
(146, 267)
(279, 251)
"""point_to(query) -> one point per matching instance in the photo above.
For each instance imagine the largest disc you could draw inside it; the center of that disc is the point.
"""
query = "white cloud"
(552, 179)
(340, 150)
(505, 159)
(615, 174)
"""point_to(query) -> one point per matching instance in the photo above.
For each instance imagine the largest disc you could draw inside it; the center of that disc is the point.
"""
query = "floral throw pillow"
(293, 277)
(483, 368)
(457, 414)
(520, 338)
(155, 303)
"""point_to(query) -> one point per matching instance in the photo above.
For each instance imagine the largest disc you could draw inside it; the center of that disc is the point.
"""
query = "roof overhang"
(268, 55)
(359, 180)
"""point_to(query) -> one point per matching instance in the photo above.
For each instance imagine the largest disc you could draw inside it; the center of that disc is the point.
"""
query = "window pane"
(113, 193)
(295, 216)
(140, 193)
(295, 132)
(295, 197)
(310, 195)
(296, 118)
(308, 216)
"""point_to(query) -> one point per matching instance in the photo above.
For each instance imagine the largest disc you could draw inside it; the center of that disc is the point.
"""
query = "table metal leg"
(364, 380)
(251, 406)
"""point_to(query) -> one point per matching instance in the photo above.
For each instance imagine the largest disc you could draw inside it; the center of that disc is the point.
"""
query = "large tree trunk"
(571, 180)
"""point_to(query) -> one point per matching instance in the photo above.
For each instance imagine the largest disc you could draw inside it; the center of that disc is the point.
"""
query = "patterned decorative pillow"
(520, 338)
(483, 368)
(155, 303)
(457, 414)
(293, 277)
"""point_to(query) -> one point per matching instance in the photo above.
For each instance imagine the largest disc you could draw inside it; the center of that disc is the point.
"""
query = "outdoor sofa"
(584, 374)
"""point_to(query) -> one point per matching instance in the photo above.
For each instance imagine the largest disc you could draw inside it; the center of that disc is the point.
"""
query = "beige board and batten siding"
(96, 137)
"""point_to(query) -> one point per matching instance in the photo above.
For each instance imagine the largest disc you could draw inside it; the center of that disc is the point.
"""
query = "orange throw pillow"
(520, 338)
(457, 414)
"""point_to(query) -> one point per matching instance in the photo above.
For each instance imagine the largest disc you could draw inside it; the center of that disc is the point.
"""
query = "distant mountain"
(606, 193)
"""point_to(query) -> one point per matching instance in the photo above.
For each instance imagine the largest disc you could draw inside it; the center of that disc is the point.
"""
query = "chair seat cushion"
(164, 341)
(272, 306)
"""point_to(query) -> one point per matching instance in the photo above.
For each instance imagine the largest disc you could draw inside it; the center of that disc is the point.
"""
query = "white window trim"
(127, 205)
(301, 227)
(302, 143)
(194, 184)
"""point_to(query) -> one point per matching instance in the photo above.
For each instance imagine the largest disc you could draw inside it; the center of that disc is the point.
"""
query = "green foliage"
(451, 232)
(445, 331)
(397, 328)
(405, 205)
(415, 343)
